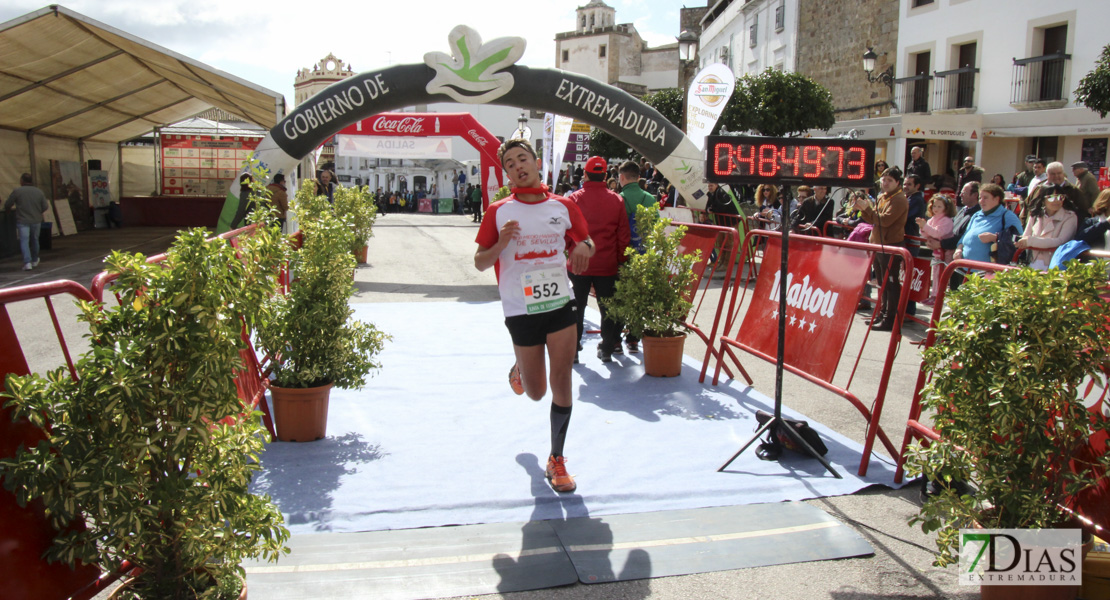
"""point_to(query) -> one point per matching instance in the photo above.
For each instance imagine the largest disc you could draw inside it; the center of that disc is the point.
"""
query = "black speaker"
(94, 165)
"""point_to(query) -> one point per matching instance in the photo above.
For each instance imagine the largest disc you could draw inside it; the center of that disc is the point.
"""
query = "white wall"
(731, 31)
(1005, 30)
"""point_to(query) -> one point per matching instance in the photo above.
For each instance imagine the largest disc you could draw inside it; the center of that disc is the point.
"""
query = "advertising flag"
(709, 92)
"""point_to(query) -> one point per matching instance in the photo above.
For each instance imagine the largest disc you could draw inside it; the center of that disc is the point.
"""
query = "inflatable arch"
(480, 73)
(462, 125)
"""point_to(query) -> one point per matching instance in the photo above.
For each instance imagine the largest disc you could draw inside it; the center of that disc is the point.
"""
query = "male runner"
(522, 237)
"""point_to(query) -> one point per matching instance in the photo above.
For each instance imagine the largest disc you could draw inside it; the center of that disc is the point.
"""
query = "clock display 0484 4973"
(813, 161)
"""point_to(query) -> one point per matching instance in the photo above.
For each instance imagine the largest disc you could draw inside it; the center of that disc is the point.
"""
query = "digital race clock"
(811, 161)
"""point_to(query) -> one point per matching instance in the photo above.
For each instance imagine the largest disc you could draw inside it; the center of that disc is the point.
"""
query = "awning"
(1046, 123)
(66, 75)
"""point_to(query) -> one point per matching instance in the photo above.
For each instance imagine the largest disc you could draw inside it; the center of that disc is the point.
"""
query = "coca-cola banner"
(823, 285)
(477, 72)
(393, 147)
(920, 279)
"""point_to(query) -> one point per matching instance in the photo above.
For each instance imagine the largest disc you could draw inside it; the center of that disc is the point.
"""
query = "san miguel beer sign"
(823, 284)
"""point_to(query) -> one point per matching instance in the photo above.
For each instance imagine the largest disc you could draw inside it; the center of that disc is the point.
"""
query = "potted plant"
(147, 447)
(358, 208)
(652, 293)
(1011, 357)
(308, 332)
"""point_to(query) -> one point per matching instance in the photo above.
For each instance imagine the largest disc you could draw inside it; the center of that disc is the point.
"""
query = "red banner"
(823, 285)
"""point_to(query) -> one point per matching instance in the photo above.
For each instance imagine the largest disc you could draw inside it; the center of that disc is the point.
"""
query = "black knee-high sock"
(560, 418)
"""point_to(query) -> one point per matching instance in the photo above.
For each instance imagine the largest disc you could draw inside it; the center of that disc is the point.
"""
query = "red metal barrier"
(915, 429)
(24, 532)
(821, 375)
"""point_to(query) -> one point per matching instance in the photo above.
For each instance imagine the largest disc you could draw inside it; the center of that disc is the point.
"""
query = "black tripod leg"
(759, 432)
(797, 437)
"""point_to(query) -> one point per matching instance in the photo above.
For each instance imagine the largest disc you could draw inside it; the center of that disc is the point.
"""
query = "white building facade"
(993, 79)
(750, 35)
(614, 52)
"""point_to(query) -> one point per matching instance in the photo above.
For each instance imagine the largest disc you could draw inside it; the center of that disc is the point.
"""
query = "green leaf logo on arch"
(469, 75)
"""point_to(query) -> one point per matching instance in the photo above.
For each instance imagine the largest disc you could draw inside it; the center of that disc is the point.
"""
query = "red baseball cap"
(596, 164)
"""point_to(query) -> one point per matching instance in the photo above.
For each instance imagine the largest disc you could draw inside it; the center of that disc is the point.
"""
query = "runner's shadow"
(553, 511)
(627, 389)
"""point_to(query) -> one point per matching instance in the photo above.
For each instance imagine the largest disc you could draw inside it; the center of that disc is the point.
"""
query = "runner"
(522, 237)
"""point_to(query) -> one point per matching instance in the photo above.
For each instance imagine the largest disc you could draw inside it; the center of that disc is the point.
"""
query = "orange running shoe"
(557, 475)
(515, 382)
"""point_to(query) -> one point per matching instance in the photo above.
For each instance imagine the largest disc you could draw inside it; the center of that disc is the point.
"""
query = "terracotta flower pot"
(301, 414)
(663, 355)
(360, 254)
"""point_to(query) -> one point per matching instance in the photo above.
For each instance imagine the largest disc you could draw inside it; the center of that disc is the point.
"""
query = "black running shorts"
(532, 330)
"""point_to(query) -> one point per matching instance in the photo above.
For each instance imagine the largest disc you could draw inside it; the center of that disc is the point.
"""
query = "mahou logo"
(402, 125)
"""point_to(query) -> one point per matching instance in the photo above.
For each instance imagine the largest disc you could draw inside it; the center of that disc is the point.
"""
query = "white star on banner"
(802, 325)
(812, 326)
(792, 319)
(774, 313)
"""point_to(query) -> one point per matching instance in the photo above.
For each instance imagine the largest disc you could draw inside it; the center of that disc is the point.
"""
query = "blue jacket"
(987, 222)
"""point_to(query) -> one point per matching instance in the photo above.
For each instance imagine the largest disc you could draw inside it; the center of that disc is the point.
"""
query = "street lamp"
(687, 45)
(886, 76)
(522, 129)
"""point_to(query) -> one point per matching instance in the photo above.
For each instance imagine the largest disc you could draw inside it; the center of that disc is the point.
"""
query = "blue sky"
(267, 42)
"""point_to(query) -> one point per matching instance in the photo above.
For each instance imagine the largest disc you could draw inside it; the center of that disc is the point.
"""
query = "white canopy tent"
(74, 89)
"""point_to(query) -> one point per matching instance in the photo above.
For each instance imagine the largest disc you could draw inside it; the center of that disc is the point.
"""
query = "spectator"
(969, 172)
(325, 185)
(244, 208)
(634, 196)
(978, 241)
(999, 180)
(613, 185)
(721, 201)
(915, 199)
(880, 168)
(476, 203)
(1096, 230)
(29, 203)
(280, 198)
(604, 212)
(815, 211)
(970, 206)
(1057, 183)
(919, 166)
(942, 208)
(1086, 182)
(1024, 177)
(1040, 175)
(770, 209)
(888, 217)
(1052, 221)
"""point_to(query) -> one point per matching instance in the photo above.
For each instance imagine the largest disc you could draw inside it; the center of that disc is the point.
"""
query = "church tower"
(308, 82)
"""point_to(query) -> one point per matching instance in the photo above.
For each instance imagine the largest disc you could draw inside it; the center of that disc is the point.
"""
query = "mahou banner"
(823, 284)
(709, 92)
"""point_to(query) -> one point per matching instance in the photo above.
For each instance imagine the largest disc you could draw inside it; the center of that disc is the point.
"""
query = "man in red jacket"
(605, 214)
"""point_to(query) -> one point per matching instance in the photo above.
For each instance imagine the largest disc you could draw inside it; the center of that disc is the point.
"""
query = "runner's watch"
(589, 243)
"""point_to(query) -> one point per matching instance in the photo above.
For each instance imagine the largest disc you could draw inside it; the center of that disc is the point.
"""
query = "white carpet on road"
(436, 437)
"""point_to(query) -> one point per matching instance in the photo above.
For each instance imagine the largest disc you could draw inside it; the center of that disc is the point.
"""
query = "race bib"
(545, 289)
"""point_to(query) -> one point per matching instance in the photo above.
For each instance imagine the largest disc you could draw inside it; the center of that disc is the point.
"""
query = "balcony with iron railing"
(1038, 82)
(911, 94)
(954, 91)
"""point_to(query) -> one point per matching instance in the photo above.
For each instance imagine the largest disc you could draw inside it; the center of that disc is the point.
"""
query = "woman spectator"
(880, 168)
(999, 180)
(983, 229)
(942, 208)
(614, 185)
(770, 209)
(1052, 221)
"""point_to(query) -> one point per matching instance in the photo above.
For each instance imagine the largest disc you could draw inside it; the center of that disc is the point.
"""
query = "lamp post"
(687, 52)
(522, 129)
(886, 76)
